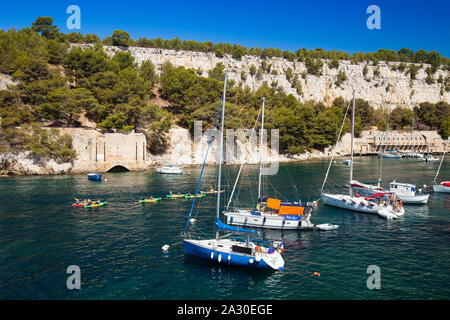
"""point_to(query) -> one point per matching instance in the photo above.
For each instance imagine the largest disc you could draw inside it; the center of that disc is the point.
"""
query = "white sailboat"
(244, 253)
(373, 204)
(444, 186)
(403, 191)
(269, 213)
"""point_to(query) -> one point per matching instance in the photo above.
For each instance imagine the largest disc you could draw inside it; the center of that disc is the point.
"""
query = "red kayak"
(78, 205)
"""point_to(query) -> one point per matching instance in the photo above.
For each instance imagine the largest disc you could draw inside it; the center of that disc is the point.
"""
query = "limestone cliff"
(381, 86)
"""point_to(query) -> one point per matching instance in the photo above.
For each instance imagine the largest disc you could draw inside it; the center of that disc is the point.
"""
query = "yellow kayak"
(93, 205)
(192, 196)
(149, 200)
(212, 192)
(174, 196)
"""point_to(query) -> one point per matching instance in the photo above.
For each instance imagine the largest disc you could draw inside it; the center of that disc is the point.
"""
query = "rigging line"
(203, 166)
(242, 164)
(442, 160)
(334, 149)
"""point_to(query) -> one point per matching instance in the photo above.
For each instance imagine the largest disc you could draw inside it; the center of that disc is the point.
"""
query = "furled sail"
(222, 226)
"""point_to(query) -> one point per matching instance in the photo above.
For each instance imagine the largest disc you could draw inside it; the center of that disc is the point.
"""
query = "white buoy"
(193, 220)
(165, 247)
(106, 180)
(212, 255)
(250, 261)
(220, 258)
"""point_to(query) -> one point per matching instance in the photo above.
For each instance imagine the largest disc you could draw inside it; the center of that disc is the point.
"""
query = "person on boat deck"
(170, 192)
(258, 248)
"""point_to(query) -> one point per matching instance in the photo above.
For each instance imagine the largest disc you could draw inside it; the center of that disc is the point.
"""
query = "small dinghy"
(387, 214)
(94, 176)
(327, 227)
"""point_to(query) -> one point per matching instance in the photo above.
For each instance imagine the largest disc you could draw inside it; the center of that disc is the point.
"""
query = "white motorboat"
(347, 162)
(430, 158)
(407, 193)
(327, 226)
(390, 155)
(170, 170)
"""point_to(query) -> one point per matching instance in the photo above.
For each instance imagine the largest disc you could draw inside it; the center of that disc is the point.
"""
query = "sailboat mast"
(353, 134)
(381, 157)
(260, 150)
(221, 153)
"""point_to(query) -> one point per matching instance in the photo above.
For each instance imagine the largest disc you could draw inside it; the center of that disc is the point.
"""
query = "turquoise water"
(118, 247)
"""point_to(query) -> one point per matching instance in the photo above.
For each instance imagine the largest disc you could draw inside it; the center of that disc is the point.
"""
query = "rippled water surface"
(118, 247)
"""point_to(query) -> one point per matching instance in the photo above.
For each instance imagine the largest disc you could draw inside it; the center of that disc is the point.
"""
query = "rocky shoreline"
(25, 163)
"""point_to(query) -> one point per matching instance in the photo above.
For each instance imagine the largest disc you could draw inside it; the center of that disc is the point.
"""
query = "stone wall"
(101, 152)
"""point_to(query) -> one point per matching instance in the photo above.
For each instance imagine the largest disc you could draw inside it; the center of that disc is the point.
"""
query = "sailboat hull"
(415, 199)
(268, 221)
(441, 188)
(221, 251)
(350, 203)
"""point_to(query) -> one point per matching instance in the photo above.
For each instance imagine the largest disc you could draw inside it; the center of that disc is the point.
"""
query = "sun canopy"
(291, 210)
(273, 203)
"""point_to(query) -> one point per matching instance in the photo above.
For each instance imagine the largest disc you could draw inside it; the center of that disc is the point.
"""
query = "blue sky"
(338, 25)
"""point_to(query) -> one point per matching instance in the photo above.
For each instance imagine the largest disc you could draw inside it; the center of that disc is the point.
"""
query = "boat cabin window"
(241, 249)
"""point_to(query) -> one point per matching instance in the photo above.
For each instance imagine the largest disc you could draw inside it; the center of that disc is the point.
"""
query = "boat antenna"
(353, 133)
(221, 153)
(261, 150)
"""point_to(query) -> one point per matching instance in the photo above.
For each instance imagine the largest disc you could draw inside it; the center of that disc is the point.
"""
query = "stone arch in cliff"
(118, 168)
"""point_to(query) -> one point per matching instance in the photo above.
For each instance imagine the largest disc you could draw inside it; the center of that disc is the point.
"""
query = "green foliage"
(158, 123)
(432, 115)
(413, 70)
(43, 143)
(401, 118)
(147, 72)
(334, 64)
(444, 128)
(120, 38)
(44, 26)
(124, 60)
(341, 78)
(217, 72)
(313, 66)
